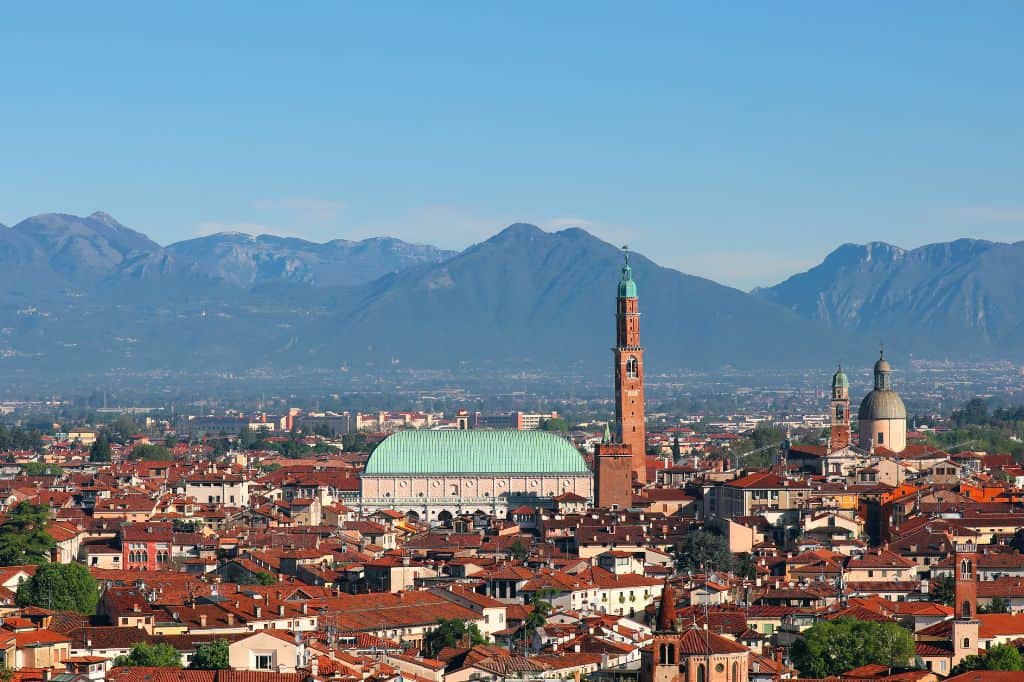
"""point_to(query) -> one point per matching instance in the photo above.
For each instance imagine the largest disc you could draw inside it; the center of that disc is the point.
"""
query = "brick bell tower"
(840, 432)
(629, 373)
(965, 626)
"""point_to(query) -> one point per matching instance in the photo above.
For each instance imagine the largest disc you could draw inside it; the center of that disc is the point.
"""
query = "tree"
(155, 453)
(556, 424)
(41, 469)
(211, 656)
(539, 613)
(703, 550)
(944, 590)
(746, 567)
(450, 633)
(264, 578)
(60, 587)
(159, 655)
(999, 657)
(974, 412)
(997, 605)
(832, 647)
(100, 450)
(518, 550)
(23, 536)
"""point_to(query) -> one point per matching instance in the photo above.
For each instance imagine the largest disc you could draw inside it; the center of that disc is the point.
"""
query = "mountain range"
(91, 295)
(959, 299)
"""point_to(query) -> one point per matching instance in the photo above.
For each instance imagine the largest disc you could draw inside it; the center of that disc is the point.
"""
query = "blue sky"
(740, 142)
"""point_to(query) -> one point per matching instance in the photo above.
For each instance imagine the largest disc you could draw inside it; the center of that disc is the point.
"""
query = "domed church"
(882, 418)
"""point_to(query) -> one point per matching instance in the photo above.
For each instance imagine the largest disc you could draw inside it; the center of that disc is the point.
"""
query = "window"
(967, 642)
(881, 437)
(701, 673)
(264, 661)
(632, 367)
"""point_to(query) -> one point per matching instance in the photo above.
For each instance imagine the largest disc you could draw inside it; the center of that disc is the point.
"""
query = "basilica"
(881, 419)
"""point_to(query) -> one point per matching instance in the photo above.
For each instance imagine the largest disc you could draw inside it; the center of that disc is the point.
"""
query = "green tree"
(264, 578)
(997, 605)
(144, 654)
(745, 565)
(974, 412)
(450, 633)
(999, 657)
(944, 590)
(703, 550)
(23, 536)
(41, 469)
(832, 647)
(556, 424)
(211, 656)
(539, 612)
(61, 587)
(356, 442)
(148, 452)
(518, 550)
(100, 450)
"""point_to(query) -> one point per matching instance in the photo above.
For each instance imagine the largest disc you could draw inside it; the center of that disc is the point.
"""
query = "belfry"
(629, 373)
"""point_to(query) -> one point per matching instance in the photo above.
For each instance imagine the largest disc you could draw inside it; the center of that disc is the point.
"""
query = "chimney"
(202, 620)
(305, 608)
(258, 610)
(231, 619)
(280, 609)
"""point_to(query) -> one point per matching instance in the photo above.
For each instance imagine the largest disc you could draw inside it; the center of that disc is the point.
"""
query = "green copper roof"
(627, 287)
(475, 452)
(839, 379)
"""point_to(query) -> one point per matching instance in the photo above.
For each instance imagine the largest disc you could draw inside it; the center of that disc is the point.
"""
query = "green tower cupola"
(839, 379)
(627, 287)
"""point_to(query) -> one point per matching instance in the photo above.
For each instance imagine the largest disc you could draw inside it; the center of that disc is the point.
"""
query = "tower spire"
(629, 372)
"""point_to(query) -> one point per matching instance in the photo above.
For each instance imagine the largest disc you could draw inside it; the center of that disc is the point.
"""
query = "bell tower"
(965, 626)
(840, 433)
(629, 373)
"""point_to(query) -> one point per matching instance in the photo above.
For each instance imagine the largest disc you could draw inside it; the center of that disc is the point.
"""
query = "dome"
(627, 287)
(882, 405)
(475, 452)
(882, 366)
(839, 379)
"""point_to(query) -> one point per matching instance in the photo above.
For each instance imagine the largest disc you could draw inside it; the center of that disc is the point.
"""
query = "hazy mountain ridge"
(77, 251)
(246, 260)
(88, 294)
(959, 297)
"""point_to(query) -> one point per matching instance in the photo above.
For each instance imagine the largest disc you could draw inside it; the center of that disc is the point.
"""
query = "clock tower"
(629, 373)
